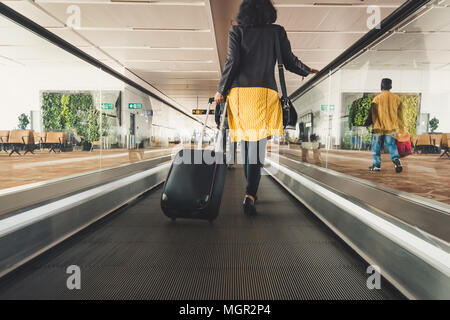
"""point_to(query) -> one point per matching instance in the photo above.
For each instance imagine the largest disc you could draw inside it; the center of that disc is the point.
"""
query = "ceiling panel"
(279, 3)
(321, 56)
(155, 54)
(156, 77)
(437, 19)
(34, 13)
(165, 39)
(197, 82)
(36, 53)
(13, 35)
(211, 85)
(322, 40)
(134, 15)
(403, 41)
(71, 37)
(183, 62)
(170, 65)
(318, 18)
(408, 60)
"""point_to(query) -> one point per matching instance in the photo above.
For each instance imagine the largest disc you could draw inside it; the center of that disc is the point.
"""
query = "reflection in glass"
(62, 117)
(332, 131)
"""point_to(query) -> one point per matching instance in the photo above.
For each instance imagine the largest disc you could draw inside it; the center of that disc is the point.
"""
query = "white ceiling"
(422, 44)
(171, 44)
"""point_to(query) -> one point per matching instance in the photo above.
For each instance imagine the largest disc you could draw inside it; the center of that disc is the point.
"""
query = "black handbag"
(289, 114)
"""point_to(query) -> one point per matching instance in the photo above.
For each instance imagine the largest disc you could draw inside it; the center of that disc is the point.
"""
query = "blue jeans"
(389, 142)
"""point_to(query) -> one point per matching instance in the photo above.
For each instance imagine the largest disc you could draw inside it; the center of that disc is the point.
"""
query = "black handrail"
(399, 15)
(63, 44)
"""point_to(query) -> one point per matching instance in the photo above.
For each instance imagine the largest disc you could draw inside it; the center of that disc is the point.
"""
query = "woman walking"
(248, 82)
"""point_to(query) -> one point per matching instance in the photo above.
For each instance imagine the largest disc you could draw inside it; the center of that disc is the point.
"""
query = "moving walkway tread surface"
(137, 253)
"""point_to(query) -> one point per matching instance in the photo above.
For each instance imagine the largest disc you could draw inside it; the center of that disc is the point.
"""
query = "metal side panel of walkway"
(137, 253)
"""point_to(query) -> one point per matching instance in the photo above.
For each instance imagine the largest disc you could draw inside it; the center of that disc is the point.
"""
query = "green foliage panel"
(410, 112)
(359, 112)
(72, 111)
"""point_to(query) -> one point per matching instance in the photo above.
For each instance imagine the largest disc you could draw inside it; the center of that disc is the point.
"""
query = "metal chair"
(21, 139)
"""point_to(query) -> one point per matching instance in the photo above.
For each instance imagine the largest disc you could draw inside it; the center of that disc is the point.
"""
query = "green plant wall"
(410, 105)
(72, 111)
(359, 111)
(51, 111)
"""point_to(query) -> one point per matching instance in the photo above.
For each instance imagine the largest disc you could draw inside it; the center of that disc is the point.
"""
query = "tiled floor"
(42, 166)
(426, 175)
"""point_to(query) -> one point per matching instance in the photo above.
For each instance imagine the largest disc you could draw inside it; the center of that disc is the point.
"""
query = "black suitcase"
(194, 186)
(194, 190)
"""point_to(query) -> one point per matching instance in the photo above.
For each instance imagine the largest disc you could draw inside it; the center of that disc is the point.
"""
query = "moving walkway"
(137, 253)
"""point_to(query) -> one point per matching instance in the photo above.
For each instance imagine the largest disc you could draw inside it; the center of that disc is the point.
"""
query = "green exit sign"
(325, 107)
(107, 106)
(135, 106)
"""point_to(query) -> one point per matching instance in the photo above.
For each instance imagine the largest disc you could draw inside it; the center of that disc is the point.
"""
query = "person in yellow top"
(248, 82)
(387, 122)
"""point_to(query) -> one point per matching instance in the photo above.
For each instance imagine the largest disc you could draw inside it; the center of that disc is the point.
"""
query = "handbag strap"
(280, 65)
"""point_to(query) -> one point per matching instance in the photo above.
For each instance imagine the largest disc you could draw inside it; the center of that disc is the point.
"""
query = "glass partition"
(332, 134)
(62, 117)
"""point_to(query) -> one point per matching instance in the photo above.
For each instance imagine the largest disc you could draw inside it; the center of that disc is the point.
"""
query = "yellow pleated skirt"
(254, 114)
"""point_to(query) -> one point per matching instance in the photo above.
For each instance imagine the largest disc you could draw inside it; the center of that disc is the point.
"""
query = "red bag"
(404, 145)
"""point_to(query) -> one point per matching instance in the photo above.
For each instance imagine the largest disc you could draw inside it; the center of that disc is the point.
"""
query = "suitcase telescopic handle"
(219, 145)
(200, 142)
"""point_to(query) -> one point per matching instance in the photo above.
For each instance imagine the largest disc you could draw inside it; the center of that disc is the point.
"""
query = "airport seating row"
(430, 143)
(13, 141)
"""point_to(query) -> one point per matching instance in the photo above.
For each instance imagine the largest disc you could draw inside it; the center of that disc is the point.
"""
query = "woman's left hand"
(219, 98)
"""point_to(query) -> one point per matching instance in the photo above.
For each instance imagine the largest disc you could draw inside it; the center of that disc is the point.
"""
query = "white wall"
(143, 122)
(327, 92)
(20, 87)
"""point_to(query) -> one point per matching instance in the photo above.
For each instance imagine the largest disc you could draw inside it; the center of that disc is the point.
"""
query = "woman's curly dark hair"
(257, 12)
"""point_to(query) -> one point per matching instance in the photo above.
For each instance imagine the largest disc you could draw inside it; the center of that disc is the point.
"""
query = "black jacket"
(252, 57)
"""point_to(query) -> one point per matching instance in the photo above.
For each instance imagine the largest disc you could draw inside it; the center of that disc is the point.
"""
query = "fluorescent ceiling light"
(130, 29)
(181, 61)
(155, 48)
(124, 2)
(328, 5)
